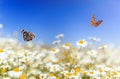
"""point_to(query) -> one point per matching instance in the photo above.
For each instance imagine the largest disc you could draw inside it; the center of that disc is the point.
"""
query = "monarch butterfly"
(27, 36)
(95, 23)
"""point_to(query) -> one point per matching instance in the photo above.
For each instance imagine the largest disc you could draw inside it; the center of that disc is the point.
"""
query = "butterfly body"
(27, 36)
(95, 23)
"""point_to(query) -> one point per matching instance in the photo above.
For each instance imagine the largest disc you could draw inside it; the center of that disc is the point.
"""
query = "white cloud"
(1, 26)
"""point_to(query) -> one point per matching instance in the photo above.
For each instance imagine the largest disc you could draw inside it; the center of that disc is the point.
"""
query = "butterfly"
(95, 23)
(27, 36)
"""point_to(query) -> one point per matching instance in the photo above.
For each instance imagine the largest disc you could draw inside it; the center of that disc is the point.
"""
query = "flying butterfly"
(27, 36)
(95, 23)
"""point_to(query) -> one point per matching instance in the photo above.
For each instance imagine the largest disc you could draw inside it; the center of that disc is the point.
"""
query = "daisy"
(15, 73)
(3, 55)
(57, 77)
(81, 43)
(108, 76)
(54, 68)
(59, 36)
(3, 70)
(108, 69)
(34, 71)
(43, 76)
(92, 53)
(26, 59)
(22, 76)
(32, 77)
(103, 46)
(66, 45)
(101, 71)
(115, 74)
(1, 50)
(94, 39)
(74, 77)
(56, 42)
(64, 73)
(55, 50)
(5, 66)
(96, 78)
(91, 73)
(68, 75)
(72, 48)
(77, 69)
(51, 76)
(83, 72)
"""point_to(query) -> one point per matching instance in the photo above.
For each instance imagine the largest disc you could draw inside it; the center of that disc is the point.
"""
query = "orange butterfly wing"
(98, 22)
(95, 23)
(92, 22)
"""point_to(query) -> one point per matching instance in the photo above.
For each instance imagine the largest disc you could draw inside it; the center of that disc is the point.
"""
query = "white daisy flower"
(56, 42)
(51, 76)
(43, 76)
(74, 77)
(54, 68)
(81, 43)
(103, 46)
(55, 50)
(96, 78)
(92, 73)
(59, 36)
(66, 45)
(92, 53)
(32, 77)
(115, 74)
(3, 55)
(94, 39)
(15, 73)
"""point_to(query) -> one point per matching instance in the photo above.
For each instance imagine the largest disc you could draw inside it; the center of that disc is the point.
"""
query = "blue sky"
(47, 18)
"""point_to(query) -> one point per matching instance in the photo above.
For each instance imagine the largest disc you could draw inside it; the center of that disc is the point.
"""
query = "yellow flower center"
(35, 55)
(115, 73)
(67, 44)
(102, 46)
(22, 76)
(53, 50)
(68, 74)
(83, 72)
(77, 69)
(72, 48)
(72, 62)
(1, 50)
(91, 72)
(3, 70)
(26, 59)
(57, 77)
(48, 60)
(75, 73)
(81, 41)
(51, 74)
(100, 70)
(25, 53)
(108, 75)
(16, 69)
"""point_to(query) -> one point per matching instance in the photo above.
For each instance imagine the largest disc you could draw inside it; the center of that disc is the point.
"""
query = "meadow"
(89, 59)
